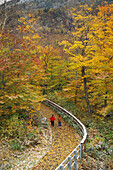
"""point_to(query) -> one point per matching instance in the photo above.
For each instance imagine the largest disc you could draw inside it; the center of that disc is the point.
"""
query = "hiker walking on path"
(52, 118)
(59, 121)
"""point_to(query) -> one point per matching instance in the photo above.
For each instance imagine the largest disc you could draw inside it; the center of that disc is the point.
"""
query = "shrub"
(16, 144)
(14, 127)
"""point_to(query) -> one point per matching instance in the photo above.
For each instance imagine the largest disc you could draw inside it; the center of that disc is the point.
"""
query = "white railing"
(76, 155)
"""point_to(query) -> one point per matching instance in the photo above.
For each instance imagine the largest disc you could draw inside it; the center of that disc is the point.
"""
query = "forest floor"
(64, 140)
(55, 145)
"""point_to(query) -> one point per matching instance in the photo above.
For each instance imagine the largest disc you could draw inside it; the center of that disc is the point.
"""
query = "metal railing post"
(69, 163)
(62, 167)
(75, 160)
(80, 152)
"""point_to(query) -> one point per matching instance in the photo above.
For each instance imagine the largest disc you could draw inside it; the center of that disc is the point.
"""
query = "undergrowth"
(19, 132)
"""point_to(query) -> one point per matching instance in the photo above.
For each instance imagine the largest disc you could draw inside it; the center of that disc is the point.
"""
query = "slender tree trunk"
(43, 87)
(85, 89)
(76, 96)
(105, 101)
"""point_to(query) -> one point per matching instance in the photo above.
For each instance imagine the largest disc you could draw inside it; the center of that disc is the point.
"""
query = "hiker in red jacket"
(52, 118)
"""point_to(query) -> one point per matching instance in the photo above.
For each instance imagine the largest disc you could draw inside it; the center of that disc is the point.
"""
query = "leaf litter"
(56, 145)
(64, 140)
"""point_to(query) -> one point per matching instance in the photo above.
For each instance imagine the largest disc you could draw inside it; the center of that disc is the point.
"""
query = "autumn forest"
(63, 54)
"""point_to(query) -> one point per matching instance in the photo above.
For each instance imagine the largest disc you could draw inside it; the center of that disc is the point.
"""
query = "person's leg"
(59, 123)
(52, 123)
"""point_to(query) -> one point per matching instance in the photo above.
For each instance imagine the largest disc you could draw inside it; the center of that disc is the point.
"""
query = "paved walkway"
(65, 139)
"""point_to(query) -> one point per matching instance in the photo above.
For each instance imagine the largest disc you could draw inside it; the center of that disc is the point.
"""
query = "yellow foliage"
(105, 110)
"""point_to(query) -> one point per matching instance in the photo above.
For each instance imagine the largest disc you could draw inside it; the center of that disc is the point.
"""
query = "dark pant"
(52, 123)
(59, 123)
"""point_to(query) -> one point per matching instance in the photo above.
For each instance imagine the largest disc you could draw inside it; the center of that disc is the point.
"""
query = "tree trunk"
(43, 87)
(85, 89)
(105, 101)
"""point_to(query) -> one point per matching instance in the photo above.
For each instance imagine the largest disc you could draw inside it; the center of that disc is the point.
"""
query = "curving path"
(65, 139)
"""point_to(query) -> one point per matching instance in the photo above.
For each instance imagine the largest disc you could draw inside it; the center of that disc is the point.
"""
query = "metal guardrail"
(76, 155)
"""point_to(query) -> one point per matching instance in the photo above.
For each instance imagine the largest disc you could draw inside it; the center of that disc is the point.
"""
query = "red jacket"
(52, 118)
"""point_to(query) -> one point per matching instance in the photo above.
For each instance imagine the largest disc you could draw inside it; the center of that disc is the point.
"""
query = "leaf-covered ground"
(65, 139)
